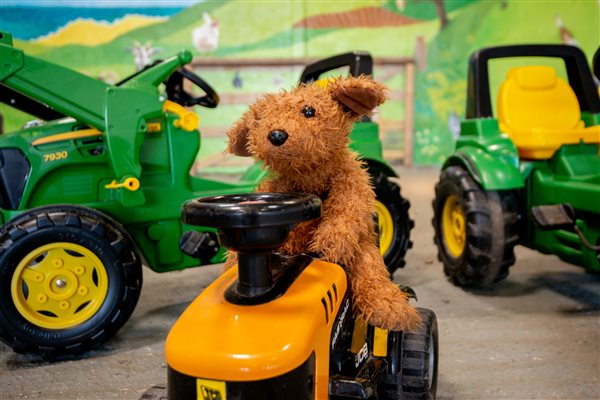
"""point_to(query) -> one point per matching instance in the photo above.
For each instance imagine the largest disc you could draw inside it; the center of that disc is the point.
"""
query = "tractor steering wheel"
(252, 210)
(176, 92)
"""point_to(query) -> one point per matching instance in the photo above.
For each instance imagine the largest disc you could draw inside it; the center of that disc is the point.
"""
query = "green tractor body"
(66, 161)
(550, 204)
(94, 188)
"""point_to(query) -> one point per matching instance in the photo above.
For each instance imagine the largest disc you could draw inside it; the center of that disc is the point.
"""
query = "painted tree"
(441, 12)
(399, 6)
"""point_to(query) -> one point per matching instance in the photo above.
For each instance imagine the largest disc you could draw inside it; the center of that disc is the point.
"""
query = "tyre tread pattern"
(388, 191)
(408, 383)
(491, 227)
(105, 228)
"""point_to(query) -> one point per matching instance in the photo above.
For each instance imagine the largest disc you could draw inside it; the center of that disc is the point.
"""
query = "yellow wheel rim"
(453, 226)
(386, 227)
(59, 285)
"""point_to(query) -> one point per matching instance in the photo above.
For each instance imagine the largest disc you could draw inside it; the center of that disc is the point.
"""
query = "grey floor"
(536, 335)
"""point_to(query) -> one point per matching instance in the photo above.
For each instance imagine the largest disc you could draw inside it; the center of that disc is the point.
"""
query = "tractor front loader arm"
(62, 89)
(128, 109)
(120, 112)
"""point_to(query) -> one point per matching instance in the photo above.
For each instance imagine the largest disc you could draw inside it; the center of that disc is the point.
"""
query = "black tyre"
(413, 362)
(394, 223)
(475, 229)
(69, 279)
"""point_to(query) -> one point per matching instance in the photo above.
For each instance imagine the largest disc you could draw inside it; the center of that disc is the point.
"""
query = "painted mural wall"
(110, 39)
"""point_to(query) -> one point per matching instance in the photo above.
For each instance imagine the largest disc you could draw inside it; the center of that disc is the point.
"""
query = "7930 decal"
(58, 155)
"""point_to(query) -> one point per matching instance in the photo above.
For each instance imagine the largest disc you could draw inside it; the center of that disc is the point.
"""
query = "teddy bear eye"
(308, 111)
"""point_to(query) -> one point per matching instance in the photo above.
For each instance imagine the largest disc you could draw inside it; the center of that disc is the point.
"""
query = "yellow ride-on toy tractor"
(282, 327)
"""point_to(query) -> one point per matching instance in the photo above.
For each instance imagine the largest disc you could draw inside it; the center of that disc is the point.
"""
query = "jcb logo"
(207, 389)
(210, 393)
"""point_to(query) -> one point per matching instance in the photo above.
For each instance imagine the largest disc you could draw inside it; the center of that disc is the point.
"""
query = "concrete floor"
(536, 335)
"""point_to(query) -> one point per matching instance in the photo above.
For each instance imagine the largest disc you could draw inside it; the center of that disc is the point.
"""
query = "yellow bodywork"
(540, 112)
(216, 340)
(380, 339)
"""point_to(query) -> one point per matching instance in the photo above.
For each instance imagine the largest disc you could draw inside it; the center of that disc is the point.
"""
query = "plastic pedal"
(200, 245)
(351, 388)
(556, 216)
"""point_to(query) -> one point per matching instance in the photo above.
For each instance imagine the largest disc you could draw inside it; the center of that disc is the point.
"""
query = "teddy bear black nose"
(278, 137)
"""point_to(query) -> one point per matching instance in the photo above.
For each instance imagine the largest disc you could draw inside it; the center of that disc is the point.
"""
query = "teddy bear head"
(307, 127)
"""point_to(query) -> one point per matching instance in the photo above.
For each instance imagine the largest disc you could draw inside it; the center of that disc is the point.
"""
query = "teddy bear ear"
(238, 135)
(360, 94)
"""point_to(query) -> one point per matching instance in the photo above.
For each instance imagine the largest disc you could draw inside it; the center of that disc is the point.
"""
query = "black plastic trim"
(14, 171)
(28, 105)
(578, 72)
(360, 63)
(284, 269)
(596, 64)
(297, 384)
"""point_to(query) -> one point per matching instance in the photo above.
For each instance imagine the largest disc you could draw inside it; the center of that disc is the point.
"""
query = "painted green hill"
(240, 30)
(441, 87)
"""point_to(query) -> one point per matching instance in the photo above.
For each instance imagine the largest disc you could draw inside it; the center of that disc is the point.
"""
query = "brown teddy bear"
(302, 136)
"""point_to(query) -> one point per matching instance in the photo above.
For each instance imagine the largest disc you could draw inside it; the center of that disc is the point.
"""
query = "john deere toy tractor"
(282, 327)
(93, 188)
(528, 173)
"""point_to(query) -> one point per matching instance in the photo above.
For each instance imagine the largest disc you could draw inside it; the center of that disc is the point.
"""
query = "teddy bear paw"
(396, 315)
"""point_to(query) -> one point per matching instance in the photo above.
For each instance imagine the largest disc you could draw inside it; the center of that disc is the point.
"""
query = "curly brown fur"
(315, 159)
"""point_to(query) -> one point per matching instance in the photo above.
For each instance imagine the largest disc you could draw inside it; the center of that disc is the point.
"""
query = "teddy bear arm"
(351, 202)
(272, 185)
(346, 222)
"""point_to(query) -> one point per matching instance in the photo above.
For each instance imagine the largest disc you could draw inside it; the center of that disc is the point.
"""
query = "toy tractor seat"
(540, 112)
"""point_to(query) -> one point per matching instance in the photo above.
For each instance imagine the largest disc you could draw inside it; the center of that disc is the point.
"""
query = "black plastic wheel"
(413, 362)
(475, 229)
(69, 279)
(394, 222)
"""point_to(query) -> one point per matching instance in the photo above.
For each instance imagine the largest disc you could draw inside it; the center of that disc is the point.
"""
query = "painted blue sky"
(99, 3)
(31, 19)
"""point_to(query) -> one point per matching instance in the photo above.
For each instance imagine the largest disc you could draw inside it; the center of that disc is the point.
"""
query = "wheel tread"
(390, 192)
(411, 380)
(482, 262)
(95, 224)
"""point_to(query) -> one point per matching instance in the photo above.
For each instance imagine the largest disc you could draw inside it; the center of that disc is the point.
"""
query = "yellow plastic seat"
(540, 112)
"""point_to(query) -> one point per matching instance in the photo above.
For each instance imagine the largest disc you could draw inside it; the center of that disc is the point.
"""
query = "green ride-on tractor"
(528, 173)
(93, 188)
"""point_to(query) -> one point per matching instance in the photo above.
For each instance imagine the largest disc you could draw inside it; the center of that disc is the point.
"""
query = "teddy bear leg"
(376, 298)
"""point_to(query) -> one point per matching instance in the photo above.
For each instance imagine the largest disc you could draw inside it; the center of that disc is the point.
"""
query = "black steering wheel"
(176, 92)
(252, 210)
(596, 64)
